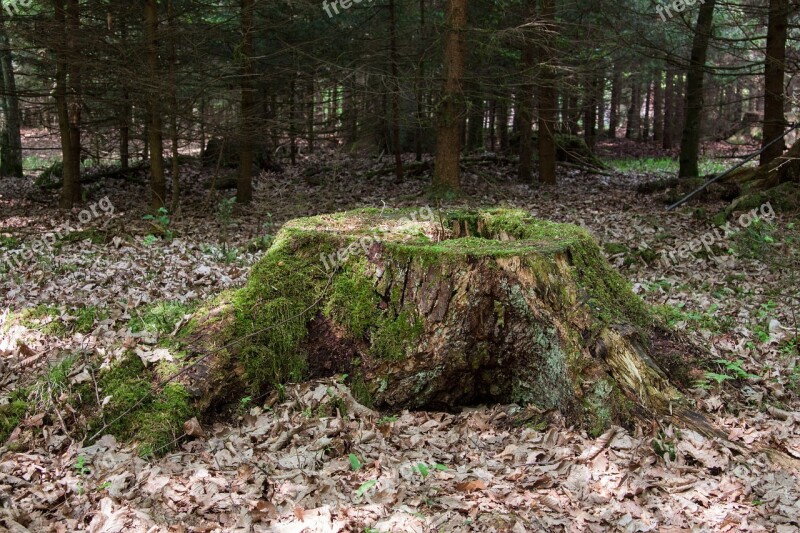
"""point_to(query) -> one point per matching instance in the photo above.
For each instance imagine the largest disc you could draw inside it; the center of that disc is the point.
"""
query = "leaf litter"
(286, 466)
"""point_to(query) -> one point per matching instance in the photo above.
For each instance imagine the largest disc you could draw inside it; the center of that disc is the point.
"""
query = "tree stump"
(427, 310)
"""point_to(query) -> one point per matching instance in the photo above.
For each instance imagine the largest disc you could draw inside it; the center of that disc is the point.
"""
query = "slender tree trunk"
(244, 185)
(547, 97)
(293, 119)
(71, 181)
(158, 188)
(774, 67)
(74, 92)
(646, 119)
(600, 97)
(693, 106)
(476, 117)
(502, 124)
(310, 91)
(525, 110)
(616, 94)
(173, 104)
(589, 111)
(446, 176)
(667, 139)
(397, 145)
(420, 95)
(574, 109)
(11, 149)
(492, 125)
(633, 128)
(658, 111)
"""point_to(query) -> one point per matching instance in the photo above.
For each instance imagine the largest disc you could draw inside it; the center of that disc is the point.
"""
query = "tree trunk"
(616, 96)
(74, 94)
(693, 106)
(547, 97)
(446, 176)
(589, 111)
(72, 184)
(531, 314)
(667, 139)
(633, 128)
(476, 118)
(502, 124)
(419, 89)
(173, 104)
(646, 119)
(158, 188)
(310, 111)
(525, 110)
(244, 184)
(11, 145)
(397, 145)
(774, 67)
(658, 115)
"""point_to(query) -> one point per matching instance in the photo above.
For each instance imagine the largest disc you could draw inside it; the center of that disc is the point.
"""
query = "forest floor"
(111, 285)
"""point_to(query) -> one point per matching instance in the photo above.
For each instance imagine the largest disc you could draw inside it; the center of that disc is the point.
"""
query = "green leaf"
(354, 462)
(440, 467)
(423, 469)
(365, 487)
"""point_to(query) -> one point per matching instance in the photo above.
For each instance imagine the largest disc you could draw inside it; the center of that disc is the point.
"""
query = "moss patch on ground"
(11, 414)
(136, 410)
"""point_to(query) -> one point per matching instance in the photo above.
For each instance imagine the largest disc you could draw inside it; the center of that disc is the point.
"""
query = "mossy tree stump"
(429, 311)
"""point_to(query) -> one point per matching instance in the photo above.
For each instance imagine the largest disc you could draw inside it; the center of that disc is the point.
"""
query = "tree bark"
(616, 96)
(634, 125)
(525, 111)
(173, 104)
(590, 110)
(693, 106)
(446, 176)
(502, 124)
(158, 187)
(658, 111)
(774, 68)
(72, 184)
(667, 139)
(397, 145)
(547, 97)
(74, 94)
(11, 145)
(244, 184)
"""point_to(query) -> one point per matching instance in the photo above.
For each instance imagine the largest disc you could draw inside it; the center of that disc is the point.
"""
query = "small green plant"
(355, 463)
(80, 466)
(387, 420)
(734, 369)
(364, 488)
(150, 240)
(664, 444)
(87, 317)
(244, 403)
(160, 222)
(7, 241)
